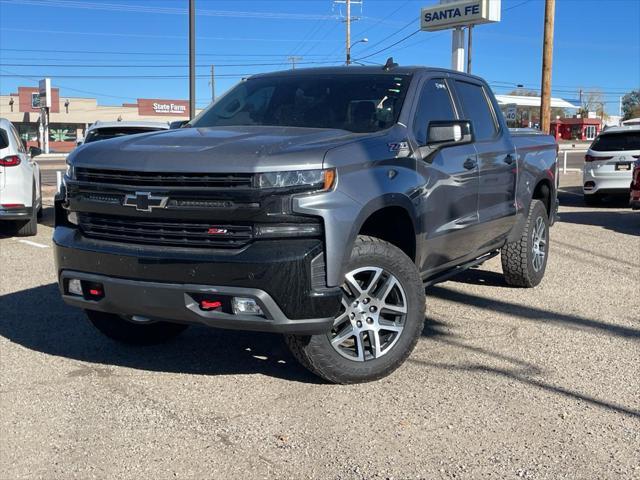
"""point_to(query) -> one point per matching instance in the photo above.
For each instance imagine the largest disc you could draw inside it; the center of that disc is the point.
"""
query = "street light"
(349, 47)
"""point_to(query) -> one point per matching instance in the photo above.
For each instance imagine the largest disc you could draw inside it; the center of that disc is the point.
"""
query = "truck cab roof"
(366, 70)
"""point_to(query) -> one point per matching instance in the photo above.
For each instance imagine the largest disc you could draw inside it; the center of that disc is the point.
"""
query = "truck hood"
(216, 149)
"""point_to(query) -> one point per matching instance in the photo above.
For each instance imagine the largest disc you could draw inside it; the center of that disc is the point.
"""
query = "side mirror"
(35, 151)
(178, 124)
(445, 133)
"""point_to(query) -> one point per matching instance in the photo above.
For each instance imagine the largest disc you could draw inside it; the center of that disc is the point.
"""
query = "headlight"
(69, 172)
(312, 179)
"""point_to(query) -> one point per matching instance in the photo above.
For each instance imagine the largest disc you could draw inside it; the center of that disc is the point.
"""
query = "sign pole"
(457, 49)
(469, 45)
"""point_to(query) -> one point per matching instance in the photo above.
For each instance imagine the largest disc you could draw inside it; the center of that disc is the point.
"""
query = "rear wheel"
(30, 228)
(39, 212)
(131, 332)
(380, 320)
(525, 261)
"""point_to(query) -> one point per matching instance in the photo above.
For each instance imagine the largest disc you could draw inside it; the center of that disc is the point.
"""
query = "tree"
(592, 101)
(631, 105)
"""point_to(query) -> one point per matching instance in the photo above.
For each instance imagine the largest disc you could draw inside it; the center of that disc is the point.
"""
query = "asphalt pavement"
(505, 383)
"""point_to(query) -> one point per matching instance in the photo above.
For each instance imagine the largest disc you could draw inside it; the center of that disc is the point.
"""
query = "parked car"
(316, 203)
(634, 196)
(106, 130)
(20, 189)
(608, 163)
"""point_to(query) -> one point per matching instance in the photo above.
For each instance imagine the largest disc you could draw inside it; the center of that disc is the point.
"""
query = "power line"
(93, 65)
(388, 47)
(141, 35)
(183, 54)
(369, 47)
(117, 77)
(119, 7)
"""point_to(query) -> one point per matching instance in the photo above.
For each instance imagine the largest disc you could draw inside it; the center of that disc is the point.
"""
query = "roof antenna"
(389, 65)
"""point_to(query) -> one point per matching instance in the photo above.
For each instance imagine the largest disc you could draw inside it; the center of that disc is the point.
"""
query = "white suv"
(609, 163)
(20, 191)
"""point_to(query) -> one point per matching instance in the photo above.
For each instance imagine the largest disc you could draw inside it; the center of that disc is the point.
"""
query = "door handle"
(470, 164)
(508, 159)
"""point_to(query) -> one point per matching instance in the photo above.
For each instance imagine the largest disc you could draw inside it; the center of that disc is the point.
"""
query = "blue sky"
(597, 44)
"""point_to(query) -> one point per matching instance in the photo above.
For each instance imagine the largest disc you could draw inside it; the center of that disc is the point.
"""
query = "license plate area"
(623, 166)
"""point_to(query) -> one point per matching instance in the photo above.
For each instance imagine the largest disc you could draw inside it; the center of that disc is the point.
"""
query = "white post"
(58, 180)
(564, 163)
(457, 49)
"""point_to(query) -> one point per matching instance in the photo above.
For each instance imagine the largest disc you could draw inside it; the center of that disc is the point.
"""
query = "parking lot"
(505, 383)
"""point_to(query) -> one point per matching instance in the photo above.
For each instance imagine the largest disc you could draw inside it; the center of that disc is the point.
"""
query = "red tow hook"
(210, 304)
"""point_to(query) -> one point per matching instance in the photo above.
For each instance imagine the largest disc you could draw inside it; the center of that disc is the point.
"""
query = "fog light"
(75, 287)
(245, 306)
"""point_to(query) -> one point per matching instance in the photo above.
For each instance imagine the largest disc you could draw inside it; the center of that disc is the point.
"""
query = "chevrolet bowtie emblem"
(144, 201)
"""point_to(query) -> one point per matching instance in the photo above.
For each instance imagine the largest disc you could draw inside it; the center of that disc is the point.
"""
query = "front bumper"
(165, 283)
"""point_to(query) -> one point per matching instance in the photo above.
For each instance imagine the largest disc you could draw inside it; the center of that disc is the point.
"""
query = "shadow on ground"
(620, 222)
(571, 196)
(38, 319)
(512, 368)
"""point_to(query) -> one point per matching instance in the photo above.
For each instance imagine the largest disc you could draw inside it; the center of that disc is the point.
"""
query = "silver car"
(609, 163)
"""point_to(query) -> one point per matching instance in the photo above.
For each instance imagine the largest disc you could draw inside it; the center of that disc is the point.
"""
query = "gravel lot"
(506, 383)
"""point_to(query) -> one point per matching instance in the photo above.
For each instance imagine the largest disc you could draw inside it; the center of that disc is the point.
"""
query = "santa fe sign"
(459, 13)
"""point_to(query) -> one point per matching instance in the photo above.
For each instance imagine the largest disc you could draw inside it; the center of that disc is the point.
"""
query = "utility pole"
(192, 59)
(348, 20)
(213, 83)
(348, 31)
(293, 59)
(547, 62)
(469, 45)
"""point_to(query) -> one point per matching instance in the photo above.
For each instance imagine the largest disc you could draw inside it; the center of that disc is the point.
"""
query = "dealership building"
(69, 117)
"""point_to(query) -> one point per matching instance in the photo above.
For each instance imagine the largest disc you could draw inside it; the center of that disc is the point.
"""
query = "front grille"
(164, 232)
(159, 179)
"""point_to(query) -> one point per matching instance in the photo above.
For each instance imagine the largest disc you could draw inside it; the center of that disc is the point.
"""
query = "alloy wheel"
(372, 317)
(539, 244)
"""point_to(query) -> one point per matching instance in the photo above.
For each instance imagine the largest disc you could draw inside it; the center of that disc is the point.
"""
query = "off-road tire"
(30, 227)
(316, 353)
(592, 200)
(124, 331)
(517, 257)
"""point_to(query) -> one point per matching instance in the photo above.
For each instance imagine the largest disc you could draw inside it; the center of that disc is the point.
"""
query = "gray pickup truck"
(315, 203)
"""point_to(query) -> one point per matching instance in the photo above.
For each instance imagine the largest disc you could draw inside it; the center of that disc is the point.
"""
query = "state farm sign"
(169, 108)
(160, 107)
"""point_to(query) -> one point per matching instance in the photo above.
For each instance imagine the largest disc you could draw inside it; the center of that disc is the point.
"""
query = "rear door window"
(613, 142)
(435, 105)
(4, 138)
(476, 108)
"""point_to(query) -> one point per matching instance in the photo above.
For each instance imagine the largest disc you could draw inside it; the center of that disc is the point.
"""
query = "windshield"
(612, 142)
(358, 103)
(106, 133)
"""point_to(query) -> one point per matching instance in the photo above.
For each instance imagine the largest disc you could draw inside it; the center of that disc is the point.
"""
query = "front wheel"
(380, 320)
(134, 333)
(525, 260)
